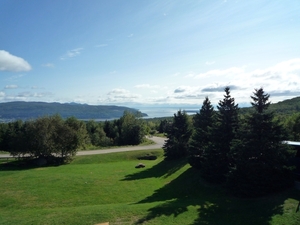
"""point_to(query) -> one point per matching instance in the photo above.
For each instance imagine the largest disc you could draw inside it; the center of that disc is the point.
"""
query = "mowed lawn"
(108, 188)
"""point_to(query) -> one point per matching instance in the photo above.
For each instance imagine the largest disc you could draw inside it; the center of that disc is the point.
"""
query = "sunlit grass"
(92, 147)
(100, 188)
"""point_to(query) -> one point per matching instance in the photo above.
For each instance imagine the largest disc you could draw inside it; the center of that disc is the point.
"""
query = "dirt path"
(159, 142)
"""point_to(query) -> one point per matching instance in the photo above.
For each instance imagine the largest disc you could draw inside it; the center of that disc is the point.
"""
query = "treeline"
(244, 152)
(52, 136)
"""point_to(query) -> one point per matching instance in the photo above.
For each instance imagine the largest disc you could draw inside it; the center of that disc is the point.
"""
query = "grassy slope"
(99, 188)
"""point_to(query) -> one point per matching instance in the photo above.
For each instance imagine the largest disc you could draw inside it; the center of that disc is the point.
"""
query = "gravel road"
(159, 142)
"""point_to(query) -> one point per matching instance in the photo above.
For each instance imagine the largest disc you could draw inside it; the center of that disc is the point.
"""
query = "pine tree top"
(260, 100)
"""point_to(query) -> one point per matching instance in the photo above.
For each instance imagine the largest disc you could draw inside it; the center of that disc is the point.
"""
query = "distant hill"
(286, 107)
(32, 110)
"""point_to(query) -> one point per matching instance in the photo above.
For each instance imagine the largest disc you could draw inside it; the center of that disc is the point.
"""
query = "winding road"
(159, 142)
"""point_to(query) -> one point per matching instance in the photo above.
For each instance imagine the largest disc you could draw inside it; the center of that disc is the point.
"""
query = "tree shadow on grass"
(162, 169)
(214, 205)
(28, 163)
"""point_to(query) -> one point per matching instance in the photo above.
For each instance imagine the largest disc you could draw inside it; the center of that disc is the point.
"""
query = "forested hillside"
(286, 107)
(32, 110)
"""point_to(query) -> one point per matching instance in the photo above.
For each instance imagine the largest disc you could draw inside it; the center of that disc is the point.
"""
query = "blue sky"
(148, 52)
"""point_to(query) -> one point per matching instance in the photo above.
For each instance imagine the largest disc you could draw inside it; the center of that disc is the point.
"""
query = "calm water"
(166, 111)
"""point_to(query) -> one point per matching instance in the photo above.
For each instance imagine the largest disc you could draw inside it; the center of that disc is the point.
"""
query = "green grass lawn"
(102, 188)
(92, 147)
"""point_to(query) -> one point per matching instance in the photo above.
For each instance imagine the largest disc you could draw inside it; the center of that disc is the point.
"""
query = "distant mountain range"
(32, 110)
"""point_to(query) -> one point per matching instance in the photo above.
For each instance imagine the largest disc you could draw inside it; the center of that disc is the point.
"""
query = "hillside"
(286, 107)
(32, 110)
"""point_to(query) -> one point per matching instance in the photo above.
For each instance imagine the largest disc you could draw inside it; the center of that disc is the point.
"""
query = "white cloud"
(122, 95)
(15, 77)
(50, 65)
(180, 90)
(2, 94)
(71, 53)
(29, 94)
(130, 35)
(219, 87)
(9, 62)
(118, 91)
(11, 86)
(280, 80)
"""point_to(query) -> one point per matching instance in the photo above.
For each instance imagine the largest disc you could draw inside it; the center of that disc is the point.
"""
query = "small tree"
(40, 135)
(202, 136)
(176, 146)
(79, 127)
(260, 157)
(131, 129)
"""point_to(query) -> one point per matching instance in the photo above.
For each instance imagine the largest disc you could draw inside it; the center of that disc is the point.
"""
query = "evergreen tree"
(163, 126)
(217, 157)
(260, 156)
(176, 146)
(202, 135)
(228, 122)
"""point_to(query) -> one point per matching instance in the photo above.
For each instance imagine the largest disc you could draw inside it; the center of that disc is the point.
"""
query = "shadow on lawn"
(214, 205)
(162, 169)
(29, 163)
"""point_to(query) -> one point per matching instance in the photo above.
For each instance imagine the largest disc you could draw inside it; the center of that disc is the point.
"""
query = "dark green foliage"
(227, 119)
(44, 137)
(13, 138)
(128, 130)
(260, 101)
(260, 157)
(131, 129)
(217, 158)
(111, 129)
(96, 133)
(292, 125)
(176, 146)
(284, 108)
(163, 126)
(202, 134)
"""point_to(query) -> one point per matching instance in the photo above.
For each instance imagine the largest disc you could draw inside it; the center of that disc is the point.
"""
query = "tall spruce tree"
(260, 157)
(176, 146)
(202, 135)
(217, 157)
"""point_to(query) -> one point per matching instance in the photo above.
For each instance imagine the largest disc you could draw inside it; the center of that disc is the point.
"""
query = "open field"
(101, 188)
